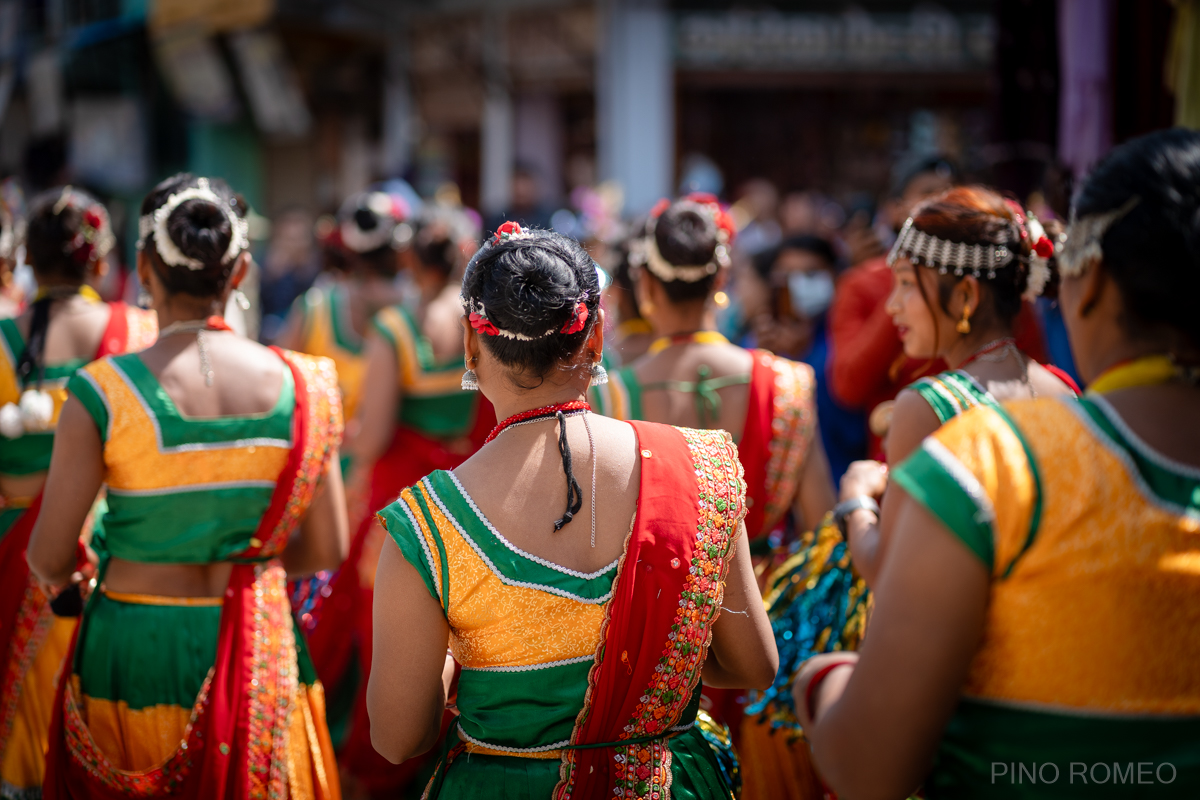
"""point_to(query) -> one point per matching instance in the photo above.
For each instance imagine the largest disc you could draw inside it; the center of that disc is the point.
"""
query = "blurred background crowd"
(820, 123)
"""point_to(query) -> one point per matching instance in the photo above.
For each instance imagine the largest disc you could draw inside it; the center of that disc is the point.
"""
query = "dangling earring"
(470, 381)
(599, 374)
(144, 298)
(964, 324)
(240, 298)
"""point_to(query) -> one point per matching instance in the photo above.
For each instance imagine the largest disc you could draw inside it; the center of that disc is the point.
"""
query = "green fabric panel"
(522, 709)
(512, 565)
(26, 454)
(184, 527)
(409, 539)
(86, 393)
(179, 430)
(963, 393)
(424, 349)
(928, 482)
(695, 771)
(981, 735)
(343, 331)
(12, 338)
(8, 518)
(629, 378)
(445, 416)
(147, 655)
(1174, 487)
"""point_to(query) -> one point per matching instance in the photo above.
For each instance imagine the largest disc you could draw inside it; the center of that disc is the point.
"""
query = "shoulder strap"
(951, 393)
(1035, 516)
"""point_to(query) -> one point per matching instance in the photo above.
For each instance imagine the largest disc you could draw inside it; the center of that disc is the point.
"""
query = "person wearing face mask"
(801, 273)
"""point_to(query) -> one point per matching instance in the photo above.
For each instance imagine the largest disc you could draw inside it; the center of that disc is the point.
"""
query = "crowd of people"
(861, 537)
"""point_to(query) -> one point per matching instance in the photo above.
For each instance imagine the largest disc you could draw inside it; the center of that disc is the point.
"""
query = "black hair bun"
(529, 286)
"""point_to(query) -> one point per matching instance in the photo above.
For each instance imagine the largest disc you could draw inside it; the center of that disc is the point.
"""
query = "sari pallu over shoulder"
(25, 616)
(236, 743)
(658, 626)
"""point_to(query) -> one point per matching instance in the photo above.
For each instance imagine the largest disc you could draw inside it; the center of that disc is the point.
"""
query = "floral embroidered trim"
(29, 632)
(792, 423)
(273, 686)
(323, 432)
(164, 779)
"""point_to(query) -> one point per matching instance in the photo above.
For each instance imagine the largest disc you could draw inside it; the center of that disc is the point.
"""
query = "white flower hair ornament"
(1041, 250)
(168, 251)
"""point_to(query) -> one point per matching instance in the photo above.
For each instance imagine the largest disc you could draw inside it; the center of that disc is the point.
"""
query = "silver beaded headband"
(1082, 247)
(478, 318)
(360, 241)
(645, 252)
(168, 251)
(944, 255)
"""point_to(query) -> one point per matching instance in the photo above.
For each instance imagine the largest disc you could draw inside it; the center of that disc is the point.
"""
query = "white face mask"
(811, 292)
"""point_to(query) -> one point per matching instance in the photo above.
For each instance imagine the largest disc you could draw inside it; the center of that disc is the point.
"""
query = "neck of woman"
(186, 308)
(679, 318)
(969, 344)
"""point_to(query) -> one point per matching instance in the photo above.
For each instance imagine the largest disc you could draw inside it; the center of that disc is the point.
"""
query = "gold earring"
(964, 324)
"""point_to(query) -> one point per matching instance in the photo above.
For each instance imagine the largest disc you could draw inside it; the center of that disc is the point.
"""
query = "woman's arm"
(406, 696)
(322, 539)
(815, 496)
(877, 727)
(912, 420)
(743, 654)
(76, 474)
(370, 433)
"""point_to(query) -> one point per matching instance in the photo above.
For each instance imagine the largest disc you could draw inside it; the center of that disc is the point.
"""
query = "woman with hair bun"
(65, 327)
(413, 417)
(582, 628)
(219, 456)
(332, 319)
(1062, 632)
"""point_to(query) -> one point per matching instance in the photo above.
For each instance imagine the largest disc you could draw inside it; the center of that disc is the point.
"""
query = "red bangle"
(815, 681)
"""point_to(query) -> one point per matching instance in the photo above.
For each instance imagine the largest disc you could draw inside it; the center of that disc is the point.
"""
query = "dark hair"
(978, 215)
(764, 262)
(54, 241)
(530, 285)
(687, 236)
(439, 233)
(200, 229)
(360, 211)
(1153, 251)
(909, 170)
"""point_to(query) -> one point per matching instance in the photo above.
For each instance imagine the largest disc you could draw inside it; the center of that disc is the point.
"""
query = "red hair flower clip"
(508, 230)
(659, 207)
(481, 325)
(578, 319)
(1044, 247)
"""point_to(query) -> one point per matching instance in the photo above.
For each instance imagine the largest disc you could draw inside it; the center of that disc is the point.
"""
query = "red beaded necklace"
(533, 414)
(990, 347)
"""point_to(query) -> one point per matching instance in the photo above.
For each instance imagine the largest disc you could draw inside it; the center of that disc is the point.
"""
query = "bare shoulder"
(1046, 383)
(912, 420)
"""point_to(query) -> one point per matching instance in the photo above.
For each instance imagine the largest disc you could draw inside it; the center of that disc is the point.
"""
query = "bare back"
(685, 365)
(518, 484)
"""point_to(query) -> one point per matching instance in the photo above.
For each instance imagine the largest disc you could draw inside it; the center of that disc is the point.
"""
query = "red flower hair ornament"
(509, 230)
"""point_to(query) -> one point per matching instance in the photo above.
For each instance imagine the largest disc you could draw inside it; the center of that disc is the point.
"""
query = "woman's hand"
(864, 478)
(811, 702)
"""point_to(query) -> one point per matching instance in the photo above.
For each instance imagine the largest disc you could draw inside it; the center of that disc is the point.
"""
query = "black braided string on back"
(29, 365)
(574, 493)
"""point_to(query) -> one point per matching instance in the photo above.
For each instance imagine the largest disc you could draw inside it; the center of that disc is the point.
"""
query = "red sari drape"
(236, 743)
(658, 625)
